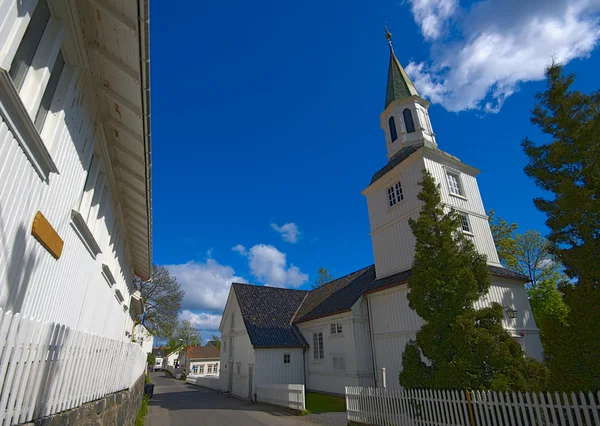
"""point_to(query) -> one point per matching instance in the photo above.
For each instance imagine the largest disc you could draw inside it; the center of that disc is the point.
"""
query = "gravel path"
(327, 419)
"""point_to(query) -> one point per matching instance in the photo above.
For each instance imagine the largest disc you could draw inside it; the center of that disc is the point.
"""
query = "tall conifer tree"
(458, 347)
(569, 168)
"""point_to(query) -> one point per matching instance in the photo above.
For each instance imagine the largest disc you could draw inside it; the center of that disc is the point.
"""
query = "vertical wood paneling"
(270, 369)
(32, 282)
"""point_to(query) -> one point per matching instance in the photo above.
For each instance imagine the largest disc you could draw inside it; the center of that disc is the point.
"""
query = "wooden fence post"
(470, 408)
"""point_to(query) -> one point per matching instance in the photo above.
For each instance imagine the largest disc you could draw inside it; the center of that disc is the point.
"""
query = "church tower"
(392, 194)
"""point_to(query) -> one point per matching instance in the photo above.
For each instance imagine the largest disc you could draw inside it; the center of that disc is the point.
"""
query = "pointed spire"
(399, 85)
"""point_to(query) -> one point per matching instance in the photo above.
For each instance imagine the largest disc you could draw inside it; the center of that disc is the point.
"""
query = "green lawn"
(321, 403)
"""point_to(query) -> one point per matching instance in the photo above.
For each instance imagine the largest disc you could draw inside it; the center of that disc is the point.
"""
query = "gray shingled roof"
(268, 313)
(396, 159)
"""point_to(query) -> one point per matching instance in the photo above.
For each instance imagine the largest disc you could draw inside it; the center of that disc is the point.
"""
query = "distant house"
(201, 360)
(159, 354)
(213, 343)
(345, 332)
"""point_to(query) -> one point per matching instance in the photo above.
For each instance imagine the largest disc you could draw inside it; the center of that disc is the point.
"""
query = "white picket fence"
(46, 368)
(207, 382)
(291, 396)
(458, 408)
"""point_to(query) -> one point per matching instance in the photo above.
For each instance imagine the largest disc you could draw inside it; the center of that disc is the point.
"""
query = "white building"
(344, 332)
(75, 193)
(202, 361)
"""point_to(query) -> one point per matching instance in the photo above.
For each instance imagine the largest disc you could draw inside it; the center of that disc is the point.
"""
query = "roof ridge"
(268, 286)
(341, 278)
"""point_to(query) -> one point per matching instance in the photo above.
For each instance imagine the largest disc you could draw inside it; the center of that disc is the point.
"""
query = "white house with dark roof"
(345, 332)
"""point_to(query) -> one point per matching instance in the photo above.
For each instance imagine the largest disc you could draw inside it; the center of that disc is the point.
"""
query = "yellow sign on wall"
(46, 235)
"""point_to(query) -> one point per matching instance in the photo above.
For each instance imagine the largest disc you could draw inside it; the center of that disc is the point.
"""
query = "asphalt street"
(177, 403)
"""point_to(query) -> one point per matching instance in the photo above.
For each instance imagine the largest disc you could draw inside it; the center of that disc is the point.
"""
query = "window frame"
(453, 181)
(201, 369)
(49, 92)
(465, 220)
(341, 362)
(336, 328)
(318, 346)
(287, 358)
(393, 129)
(395, 194)
(412, 128)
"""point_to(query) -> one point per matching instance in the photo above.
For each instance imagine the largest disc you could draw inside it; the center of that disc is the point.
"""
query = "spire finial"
(388, 35)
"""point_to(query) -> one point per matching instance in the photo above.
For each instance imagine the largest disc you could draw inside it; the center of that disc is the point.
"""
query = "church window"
(336, 328)
(395, 194)
(287, 358)
(393, 133)
(408, 121)
(318, 352)
(454, 184)
(464, 221)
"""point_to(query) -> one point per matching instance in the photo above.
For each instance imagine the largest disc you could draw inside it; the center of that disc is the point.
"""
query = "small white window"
(318, 346)
(454, 184)
(336, 328)
(195, 369)
(339, 363)
(209, 369)
(201, 369)
(238, 368)
(286, 358)
(465, 225)
(395, 194)
(29, 44)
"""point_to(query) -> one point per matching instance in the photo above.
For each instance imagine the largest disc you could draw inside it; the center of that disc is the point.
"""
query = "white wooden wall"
(239, 349)
(71, 290)
(320, 374)
(270, 369)
(392, 238)
(470, 204)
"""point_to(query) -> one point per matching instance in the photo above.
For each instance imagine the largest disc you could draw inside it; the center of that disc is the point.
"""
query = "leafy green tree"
(458, 347)
(567, 168)
(162, 297)
(323, 277)
(530, 254)
(151, 359)
(187, 334)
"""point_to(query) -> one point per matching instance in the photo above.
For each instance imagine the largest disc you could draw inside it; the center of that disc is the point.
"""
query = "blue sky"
(265, 121)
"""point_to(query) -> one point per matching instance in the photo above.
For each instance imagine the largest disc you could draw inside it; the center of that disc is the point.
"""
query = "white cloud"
(206, 284)
(240, 249)
(202, 321)
(432, 15)
(500, 44)
(289, 231)
(269, 266)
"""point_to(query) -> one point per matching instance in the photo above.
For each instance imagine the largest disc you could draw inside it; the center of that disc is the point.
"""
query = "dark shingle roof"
(268, 313)
(396, 159)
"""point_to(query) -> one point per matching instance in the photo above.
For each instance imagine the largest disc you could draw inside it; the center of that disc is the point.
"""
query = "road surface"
(177, 403)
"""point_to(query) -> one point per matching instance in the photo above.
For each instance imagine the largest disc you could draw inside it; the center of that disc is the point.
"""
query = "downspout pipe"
(371, 341)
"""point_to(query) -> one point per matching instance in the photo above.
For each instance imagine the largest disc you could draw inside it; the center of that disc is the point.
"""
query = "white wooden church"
(345, 332)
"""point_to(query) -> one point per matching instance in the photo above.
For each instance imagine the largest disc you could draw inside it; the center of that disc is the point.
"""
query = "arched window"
(393, 133)
(408, 121)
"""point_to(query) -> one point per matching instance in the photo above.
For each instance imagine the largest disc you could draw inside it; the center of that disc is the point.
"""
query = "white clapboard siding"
(291, 396)
(409, 407)
(46, 368)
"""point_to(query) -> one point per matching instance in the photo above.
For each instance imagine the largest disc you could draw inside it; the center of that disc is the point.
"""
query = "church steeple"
(399, 84)
(405, 119)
